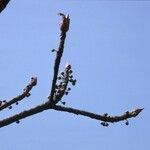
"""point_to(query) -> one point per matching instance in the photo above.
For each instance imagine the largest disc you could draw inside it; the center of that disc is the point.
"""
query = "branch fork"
(59, 88)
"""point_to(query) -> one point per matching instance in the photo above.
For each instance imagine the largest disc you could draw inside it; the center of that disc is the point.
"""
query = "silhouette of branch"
(3, 4)
(58, 90)
(4, 104)
(64, 27)
(25, 114)
(105, 118)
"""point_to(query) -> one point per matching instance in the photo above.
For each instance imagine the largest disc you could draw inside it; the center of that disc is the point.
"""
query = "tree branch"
(24, 114)
(105, 117)
(58, 90)
(48, 105)
(64, 27)
(4, 104)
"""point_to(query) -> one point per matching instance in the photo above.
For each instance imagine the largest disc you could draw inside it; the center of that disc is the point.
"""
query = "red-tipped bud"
(64, 25)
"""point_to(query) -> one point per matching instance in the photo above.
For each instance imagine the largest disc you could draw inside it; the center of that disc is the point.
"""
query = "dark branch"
(64, 26)
(27, 89)
(3, 4)
(24, 114)
(47, 105)
(58, 91)
(105, 118)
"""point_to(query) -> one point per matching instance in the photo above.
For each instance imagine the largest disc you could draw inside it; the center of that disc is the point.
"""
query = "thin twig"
(25, 93)
(106, 118)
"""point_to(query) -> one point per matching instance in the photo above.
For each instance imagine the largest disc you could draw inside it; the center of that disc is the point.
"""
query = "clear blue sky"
(108, 46)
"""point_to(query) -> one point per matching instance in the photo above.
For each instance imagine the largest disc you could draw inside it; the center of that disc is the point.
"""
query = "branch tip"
(65, 22)
(136, 111)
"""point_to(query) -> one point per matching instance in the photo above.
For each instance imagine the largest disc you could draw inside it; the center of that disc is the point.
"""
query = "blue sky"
(108, 46)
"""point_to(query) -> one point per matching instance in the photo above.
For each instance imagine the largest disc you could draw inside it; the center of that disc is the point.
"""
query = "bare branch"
(27, 89)
(64, 27)
(58, 89)
(24, 114)
(105, 117)
(48, 105)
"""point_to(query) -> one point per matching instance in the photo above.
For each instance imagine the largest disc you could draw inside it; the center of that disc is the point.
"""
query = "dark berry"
(63, 102)
(17, 121)
(59, 78)
(53, 50)
(62, 73)
(10, 107)
(71, 77)
(69, 89)
(127, 123)
(66, 93)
